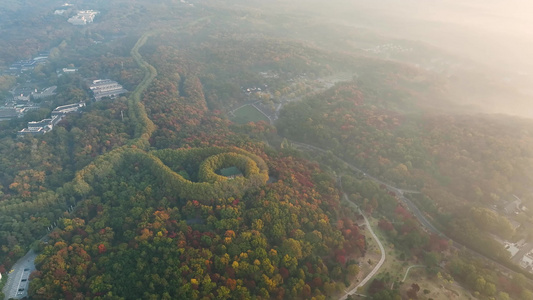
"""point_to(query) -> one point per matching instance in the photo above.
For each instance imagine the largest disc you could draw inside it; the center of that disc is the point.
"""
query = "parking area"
(18, 278)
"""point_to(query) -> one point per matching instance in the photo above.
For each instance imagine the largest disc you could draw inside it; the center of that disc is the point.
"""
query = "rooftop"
(65, 109)
(106, 88)
(8, 113)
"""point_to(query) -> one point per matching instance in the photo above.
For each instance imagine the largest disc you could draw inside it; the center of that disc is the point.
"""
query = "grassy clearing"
(373, 255)
(439, 288)
(248, 114)
(392, 264)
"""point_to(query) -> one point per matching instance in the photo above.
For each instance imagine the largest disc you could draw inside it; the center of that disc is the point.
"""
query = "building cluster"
(83, 17)
(521, 254)
(106, 88)
(12, 112)
(47, 125)
(522, 251)
(27, 65)
(527, 261)
(24, 95)
(254, 89)
(8, 113)
(40, 127)
(20, 104)
(48, 92)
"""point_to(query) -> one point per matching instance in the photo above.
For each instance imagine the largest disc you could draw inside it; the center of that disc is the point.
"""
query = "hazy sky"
(493, 32)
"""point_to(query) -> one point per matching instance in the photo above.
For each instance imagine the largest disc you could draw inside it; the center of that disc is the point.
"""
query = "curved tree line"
(166, 165)
(163, 162)
(143, 126)
(210, 185)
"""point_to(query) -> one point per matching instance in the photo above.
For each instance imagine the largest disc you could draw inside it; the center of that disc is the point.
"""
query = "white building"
(48, 92)
(527, 260)
(106, 88)
(40, 127)
(83, 17)
(67, 109)
(512, 248)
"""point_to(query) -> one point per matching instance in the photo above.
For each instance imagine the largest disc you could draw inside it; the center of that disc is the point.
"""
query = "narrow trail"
(407, 273)
(409, 269)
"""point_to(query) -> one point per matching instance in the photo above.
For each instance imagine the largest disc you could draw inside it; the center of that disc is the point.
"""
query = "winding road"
(426, 224)
(381, 248)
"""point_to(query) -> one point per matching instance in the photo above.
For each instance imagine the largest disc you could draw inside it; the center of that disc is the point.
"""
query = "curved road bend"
(412, 207)
(381, 248)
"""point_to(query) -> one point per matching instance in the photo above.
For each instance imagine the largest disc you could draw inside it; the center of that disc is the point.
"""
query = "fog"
(491, 42)
(486, 31)
(495, 34)
(489, 32)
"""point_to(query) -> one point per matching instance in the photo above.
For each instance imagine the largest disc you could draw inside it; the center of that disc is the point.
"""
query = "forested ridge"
(136, 188)
(173, 228)
(464, 164)
(276, 240)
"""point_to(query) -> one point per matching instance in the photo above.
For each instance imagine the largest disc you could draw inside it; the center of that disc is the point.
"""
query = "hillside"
(458, 161)
(129, 197)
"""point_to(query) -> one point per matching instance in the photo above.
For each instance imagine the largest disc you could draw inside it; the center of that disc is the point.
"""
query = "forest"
(463, 164)
(281, 240)
(172, 247)
(243, 237)
(127, 199)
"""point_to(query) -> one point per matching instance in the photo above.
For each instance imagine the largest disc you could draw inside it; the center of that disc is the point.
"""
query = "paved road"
(356, 169)
(412, 207)
(418, 214)
(378, 265)
(399, 192)
(20, 271)
(376, 268)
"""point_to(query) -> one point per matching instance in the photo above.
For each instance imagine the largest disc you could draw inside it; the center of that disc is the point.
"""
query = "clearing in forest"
(248, 114)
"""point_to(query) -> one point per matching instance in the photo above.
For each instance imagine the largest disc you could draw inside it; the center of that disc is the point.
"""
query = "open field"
(392, 265)
(247, 114)
(439, 288)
